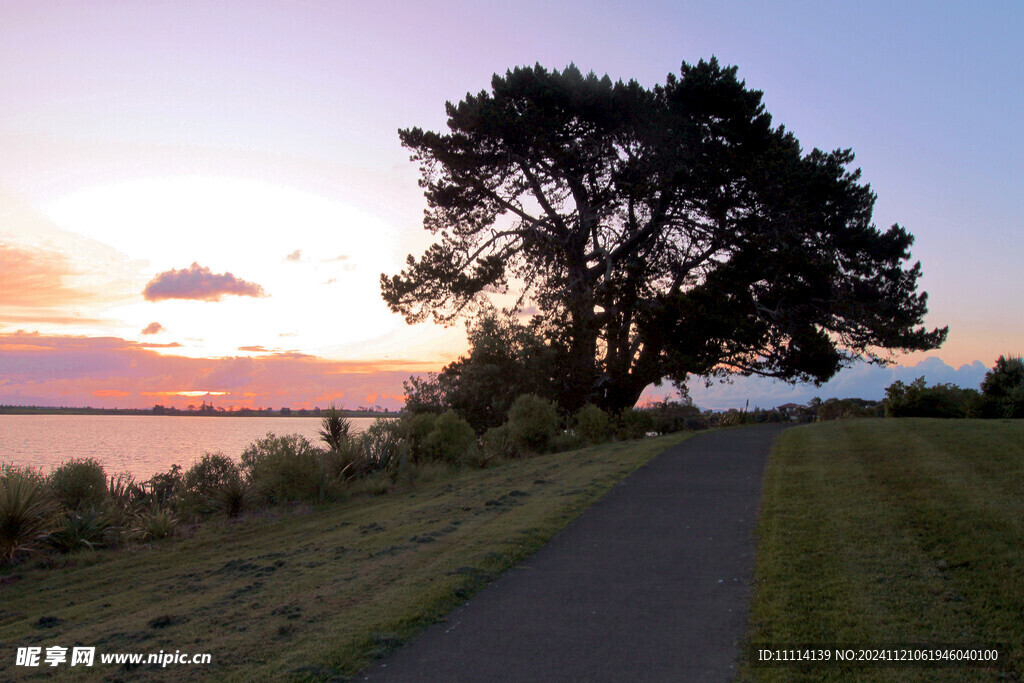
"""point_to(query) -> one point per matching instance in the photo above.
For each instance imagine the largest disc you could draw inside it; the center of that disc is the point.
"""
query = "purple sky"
(258, 139)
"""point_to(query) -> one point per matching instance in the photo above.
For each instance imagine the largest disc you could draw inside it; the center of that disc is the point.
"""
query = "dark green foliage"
(205, 479)
(287, 468)
(451, 440)
(384, 447)
(209, 473)
(165, 486)
(919, 400)
(1003, 389)
(592, 425)
(233, 497)
(80, 530)
(505, 360)
(567, 440)
(26, 512)
(635, 424)
(670, 416)
(123, 492)
(417, 427)
(79, 483)
(659, 233)
(498, 444)
(836, 409)
(533, 423)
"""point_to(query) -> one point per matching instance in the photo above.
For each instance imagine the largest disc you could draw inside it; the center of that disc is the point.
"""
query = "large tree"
(659, 233)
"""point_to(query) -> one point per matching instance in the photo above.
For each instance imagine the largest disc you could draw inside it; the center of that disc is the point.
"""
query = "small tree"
(505, 360)
(919, 400)
(1003, 388)
(335, 430)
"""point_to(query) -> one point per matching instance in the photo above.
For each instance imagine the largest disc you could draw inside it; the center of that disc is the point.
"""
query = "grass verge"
(306, 593)
(892, 531)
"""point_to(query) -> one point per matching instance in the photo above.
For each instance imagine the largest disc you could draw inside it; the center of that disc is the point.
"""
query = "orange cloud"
(108, 371)
(198, 283)
(38, 279)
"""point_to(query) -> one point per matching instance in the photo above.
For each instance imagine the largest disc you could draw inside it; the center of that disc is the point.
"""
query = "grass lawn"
(306, 593)
(893, 531)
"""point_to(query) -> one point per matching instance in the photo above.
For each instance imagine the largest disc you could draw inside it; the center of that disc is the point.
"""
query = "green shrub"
(533, 423)
(498, 444)
(288, 468)
(384, 447)
(164, 487)
(452, 440)
(634, 424)
(79, 483)
(593, 425)
(80, 530)
(417, 427)
(26, 512)
(204, 479)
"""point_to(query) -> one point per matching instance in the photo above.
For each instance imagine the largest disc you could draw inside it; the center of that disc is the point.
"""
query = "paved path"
(649, 584)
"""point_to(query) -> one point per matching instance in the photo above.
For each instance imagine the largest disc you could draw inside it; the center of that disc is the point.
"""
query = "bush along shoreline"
(79, 507)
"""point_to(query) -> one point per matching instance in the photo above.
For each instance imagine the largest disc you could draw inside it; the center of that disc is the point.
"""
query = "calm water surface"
(141, 445)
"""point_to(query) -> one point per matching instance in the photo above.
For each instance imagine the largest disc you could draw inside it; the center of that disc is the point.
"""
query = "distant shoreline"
(208, 412)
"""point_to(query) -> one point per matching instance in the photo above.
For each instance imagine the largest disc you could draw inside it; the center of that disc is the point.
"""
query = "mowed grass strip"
(893, 531)
(307, 593)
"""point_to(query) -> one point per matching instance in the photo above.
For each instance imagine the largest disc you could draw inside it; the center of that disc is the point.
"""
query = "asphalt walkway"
(649, 584)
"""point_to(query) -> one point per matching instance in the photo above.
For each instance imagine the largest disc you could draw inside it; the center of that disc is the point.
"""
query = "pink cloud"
(153, 328)
(198, 283)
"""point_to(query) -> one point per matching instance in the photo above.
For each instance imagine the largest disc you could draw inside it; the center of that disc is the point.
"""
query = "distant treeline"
(205, 409)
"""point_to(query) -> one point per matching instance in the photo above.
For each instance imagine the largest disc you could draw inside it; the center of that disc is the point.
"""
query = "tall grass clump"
(233, 497)
(154, 524)
(82, 529)
(79, 483)
(26, 512)
(533, 423)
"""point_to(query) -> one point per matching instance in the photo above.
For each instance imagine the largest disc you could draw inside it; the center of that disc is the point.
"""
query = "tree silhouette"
(659, 233)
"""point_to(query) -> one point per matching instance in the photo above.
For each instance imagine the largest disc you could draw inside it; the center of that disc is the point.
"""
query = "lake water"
(141, 445)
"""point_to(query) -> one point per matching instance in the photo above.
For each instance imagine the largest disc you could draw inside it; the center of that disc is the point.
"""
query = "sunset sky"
(201, 196)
